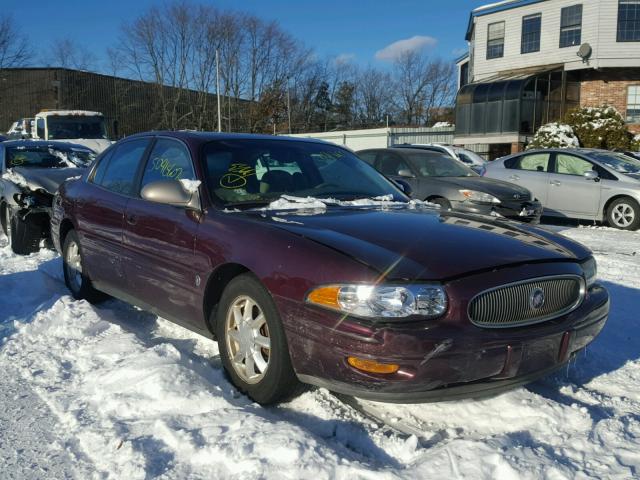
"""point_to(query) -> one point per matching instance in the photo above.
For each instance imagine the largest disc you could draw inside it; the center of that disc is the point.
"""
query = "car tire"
(252, 343)
(443, 202)
(75, 276)
(624, 213)
(24, 235)
(4, 210)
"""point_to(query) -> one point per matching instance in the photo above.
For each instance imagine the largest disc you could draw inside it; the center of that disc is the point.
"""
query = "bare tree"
(67, 53)
(14, 47)
(374, 96)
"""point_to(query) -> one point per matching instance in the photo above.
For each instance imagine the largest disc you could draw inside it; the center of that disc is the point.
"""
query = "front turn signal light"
(372, 366)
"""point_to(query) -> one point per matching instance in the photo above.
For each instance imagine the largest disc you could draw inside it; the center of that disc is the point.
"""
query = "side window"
(40, 128)
(535, 162)
(390, 164)
(369, 157)
(120, 173)
(465, 159)
(101, 166)
(169, 159)
(570, 165)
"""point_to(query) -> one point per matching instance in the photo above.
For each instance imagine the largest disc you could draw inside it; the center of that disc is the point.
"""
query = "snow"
(442, 125)
(16, 178)
(86, 113)
(110, 391)
(190, 186)
(289, 202)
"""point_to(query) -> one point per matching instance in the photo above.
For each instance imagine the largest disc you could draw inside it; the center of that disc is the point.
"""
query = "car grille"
(518, 304)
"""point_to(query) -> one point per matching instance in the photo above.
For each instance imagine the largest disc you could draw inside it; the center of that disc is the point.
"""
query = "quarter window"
(495, 40)
(570, 26)
(570, 165)
(169, 160)
(633, 104)
(120, 170)
(531, 26)
(629, 20)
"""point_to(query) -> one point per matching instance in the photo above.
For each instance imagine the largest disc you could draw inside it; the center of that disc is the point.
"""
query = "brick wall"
(609, 86)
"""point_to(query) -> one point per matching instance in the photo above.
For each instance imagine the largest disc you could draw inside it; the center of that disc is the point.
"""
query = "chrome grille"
(512, 305)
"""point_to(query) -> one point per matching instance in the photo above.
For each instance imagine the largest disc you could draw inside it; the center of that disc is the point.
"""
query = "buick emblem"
(536, 299)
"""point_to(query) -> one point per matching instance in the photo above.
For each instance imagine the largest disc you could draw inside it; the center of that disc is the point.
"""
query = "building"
(129, 106)
(530, 61)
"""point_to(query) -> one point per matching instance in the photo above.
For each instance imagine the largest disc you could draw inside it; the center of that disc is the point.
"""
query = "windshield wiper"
(248, 204)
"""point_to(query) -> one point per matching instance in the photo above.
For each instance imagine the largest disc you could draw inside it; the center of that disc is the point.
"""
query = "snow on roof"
(492, 5)
(88, 113)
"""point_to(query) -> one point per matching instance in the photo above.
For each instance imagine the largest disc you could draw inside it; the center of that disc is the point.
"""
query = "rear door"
(570, 192)
(99, 211)
(159, 240)
(529, 170)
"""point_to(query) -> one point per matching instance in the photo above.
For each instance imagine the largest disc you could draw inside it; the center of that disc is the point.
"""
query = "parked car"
(578, 183)
(439, 179)
(307, 265)
(31, 172)
(470, 158)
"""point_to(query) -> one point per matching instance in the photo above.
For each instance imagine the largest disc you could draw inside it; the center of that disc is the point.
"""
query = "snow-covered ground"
(114, 392)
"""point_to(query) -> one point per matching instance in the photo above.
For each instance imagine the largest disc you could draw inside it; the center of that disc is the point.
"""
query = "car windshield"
(437, 165)
(75, 126)
(47, 156)
(469, 157)
(256, 172)
(619, 162)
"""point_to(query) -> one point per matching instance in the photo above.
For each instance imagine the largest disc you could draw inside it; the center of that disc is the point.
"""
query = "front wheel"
(75, 276)
(252, 342)
(624, 213)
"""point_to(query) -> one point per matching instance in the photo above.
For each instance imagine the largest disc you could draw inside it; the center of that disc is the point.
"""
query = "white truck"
(74, 126)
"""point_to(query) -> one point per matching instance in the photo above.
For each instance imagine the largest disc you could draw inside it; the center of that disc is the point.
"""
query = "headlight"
(397, 301)
(476, 196)
(590, 271)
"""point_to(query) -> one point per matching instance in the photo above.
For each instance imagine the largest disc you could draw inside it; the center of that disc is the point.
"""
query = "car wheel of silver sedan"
(252, 342)
(624, 213)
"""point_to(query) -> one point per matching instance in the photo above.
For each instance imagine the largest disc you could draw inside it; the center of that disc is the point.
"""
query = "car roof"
(45, 143)
(202, 137)
(406, 150)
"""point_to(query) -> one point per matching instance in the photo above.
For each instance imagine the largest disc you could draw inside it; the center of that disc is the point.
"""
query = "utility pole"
(218, 89)
(288, 105)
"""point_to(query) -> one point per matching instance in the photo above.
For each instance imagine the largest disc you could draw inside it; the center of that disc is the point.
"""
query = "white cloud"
(396, 49)
(345, 58)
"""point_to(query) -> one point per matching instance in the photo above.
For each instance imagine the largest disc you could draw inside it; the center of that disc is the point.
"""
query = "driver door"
(159, 240)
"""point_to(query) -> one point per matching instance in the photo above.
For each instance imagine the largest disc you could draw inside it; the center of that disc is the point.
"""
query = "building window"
(633, 104)
(531, 25)
(570, 26)
(629, 20)
(495, 40)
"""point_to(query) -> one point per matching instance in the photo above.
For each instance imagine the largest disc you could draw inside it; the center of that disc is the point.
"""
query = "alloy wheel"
(247, 339)
(73, 265)
(623, 215)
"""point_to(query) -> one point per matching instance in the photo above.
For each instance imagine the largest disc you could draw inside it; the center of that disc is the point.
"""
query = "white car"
(469, 158)
(577, 183)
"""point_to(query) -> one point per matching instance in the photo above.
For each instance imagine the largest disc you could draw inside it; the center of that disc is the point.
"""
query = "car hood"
(426, 243)
(498, 188)
(48, 179)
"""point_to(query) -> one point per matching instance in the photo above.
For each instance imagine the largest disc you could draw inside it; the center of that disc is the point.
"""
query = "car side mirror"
(170, 192)
(592, 175)
(404, 172)
(404, 186)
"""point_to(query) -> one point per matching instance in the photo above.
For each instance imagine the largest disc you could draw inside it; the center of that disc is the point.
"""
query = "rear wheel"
(24, 234)
(75, 276)
(624, 213)
(252, 342)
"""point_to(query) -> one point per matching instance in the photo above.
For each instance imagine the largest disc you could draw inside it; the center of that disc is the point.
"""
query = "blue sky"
(354, 29)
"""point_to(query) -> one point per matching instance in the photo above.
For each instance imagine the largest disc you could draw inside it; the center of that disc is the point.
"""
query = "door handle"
(555, 183)
(131, 219)
(514, 177)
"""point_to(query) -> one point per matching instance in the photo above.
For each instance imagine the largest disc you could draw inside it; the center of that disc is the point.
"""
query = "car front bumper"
(439, 363)
(526, 211)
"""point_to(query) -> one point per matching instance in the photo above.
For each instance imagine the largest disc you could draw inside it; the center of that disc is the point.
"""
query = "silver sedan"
(578, 183)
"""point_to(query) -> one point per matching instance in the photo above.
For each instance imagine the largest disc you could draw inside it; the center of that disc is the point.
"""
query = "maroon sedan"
(309, 266)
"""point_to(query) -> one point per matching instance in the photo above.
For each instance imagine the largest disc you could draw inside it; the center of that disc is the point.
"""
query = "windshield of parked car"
(619, 162)
(75, 126)
(469, 157)
(47, 156)
(439, 165)
(249, 172)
